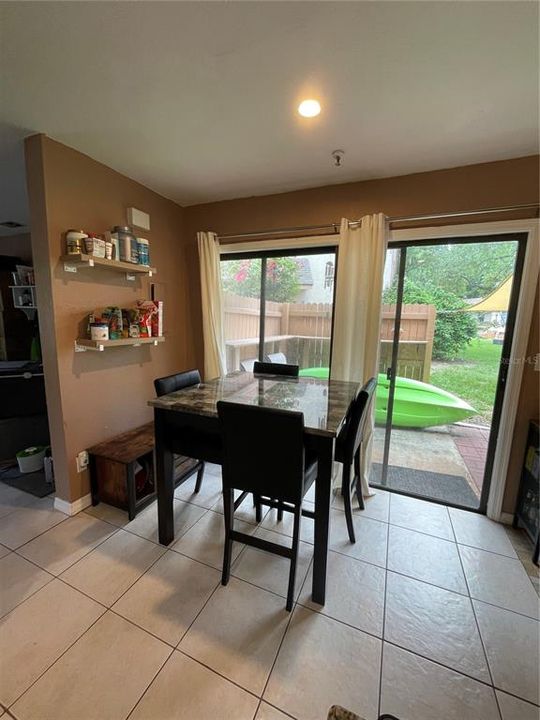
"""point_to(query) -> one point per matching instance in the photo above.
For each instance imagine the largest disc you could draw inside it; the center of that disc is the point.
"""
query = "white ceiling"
(197, 100)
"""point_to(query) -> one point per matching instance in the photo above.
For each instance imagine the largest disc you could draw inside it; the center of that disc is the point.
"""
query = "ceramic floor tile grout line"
(384, 618)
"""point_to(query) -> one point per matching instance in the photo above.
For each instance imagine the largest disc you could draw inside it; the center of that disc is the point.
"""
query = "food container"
(31, 459)
(108, 249)
(95, 245)
(143, 251)
(75, 242)
(113, 317)
(99, 331)
(127, 243)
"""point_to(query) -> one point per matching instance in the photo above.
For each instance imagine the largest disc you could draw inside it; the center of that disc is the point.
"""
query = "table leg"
(164, 481)
(94, 486)
(131, 490)
(323, 489)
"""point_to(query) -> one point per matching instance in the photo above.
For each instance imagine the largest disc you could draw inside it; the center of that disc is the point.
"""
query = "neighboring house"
(316, 277)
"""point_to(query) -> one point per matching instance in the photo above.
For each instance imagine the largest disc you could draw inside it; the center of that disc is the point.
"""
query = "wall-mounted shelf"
(18, 291)
(72, 263)
(84, 344)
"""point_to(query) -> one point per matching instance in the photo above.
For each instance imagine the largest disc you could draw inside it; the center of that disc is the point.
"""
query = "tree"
(467, 270)
(243, 277)
(453, 329)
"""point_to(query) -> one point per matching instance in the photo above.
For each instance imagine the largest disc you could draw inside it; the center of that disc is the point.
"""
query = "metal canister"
(75, 242)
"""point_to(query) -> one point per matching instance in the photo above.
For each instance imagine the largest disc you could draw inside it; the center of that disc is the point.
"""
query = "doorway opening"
(26, 469)
(448, 317)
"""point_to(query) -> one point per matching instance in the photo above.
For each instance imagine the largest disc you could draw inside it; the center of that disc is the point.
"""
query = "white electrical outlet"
(82, 461)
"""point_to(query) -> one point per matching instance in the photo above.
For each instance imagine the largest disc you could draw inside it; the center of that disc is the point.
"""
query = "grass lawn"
(473, 377)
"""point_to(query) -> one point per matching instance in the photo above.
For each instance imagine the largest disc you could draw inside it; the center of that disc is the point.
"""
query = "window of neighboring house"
(329, 274)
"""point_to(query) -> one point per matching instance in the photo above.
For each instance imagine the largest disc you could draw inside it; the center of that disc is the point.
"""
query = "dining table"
(186, 422)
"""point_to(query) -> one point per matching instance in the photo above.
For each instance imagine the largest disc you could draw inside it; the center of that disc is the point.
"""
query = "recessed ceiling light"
(309, 108)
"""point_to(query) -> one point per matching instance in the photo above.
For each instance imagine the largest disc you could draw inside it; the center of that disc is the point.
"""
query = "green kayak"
(416, 404)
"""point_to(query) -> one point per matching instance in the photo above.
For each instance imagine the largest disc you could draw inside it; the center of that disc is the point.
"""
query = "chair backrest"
(272, 368)
(352, 432)
(171, 383)
(263, 450)
(247, 365)
(278, 357)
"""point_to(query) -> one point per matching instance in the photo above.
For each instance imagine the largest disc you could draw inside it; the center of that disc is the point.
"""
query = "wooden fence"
(301, 331)
(415, 340)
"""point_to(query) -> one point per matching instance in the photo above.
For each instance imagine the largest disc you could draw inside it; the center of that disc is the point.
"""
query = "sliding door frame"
(518, 351)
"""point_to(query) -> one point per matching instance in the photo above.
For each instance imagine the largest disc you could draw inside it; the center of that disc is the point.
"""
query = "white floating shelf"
(73, 263)
(84, 344)
(18, 291)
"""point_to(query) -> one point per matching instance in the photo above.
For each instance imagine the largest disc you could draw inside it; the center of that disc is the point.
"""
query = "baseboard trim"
(506, 518)
(74, 507)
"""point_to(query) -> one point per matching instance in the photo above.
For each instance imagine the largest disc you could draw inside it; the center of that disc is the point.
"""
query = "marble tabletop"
(323, 402)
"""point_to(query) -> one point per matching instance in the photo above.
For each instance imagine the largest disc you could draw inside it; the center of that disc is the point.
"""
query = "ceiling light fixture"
(309, 108)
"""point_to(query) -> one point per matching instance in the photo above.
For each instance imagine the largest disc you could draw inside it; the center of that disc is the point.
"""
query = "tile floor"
(430, 614)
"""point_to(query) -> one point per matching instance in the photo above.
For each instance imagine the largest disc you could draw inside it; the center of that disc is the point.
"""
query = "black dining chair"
(278, 357)
(263, 454)
(172, 383)
(247, 365)
(348, 449)
(272, 368)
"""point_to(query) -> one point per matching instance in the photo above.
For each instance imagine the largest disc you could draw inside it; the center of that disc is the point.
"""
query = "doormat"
(448, 488)
(33, 483)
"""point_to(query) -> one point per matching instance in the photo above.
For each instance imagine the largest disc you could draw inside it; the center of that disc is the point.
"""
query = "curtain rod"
(334, 227)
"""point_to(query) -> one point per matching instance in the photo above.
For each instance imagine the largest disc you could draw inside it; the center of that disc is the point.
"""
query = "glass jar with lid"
(127, 243)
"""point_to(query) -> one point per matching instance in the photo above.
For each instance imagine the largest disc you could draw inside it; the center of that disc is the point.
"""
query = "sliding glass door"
(446, 333)
(278, 308)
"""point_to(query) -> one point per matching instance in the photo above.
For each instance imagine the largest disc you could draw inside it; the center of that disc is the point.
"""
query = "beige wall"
(93, 396)
(17, 246)
(496, 184)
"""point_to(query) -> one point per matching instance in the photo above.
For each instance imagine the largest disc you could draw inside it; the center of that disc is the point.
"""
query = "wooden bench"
(122, 470)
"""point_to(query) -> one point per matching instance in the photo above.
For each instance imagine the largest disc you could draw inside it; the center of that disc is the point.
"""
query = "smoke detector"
(11, 224)
(338, 156)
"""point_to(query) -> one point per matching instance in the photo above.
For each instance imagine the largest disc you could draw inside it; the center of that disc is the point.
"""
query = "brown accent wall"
(528, 409)
(496, 184)
(93, 396)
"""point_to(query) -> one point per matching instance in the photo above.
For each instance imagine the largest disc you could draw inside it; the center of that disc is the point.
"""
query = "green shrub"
(453, 329)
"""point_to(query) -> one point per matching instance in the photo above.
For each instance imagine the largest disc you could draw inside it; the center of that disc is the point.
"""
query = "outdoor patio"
(449, 461)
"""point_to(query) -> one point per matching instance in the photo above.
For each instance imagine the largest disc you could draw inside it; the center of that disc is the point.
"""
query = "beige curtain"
(357, 311)
(212, 306)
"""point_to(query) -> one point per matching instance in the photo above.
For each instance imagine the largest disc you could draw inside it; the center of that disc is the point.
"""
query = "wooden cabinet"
(122, 470)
